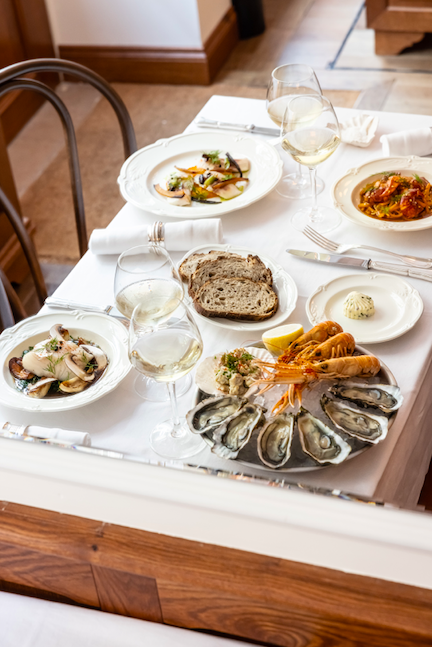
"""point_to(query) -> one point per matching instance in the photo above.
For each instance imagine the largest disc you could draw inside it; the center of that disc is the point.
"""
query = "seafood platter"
(321, 402)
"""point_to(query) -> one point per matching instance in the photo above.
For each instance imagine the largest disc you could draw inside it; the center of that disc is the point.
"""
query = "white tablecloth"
(392, 471)
(29, 622)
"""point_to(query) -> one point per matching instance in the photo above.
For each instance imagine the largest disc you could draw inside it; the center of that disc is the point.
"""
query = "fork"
(331, 246)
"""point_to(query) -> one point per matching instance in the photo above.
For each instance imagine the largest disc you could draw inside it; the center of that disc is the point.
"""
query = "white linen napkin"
(179, 236)
(62, 435)
(359, 130)
(408, 142)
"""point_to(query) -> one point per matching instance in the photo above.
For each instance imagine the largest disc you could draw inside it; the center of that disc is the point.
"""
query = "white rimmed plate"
(346, 190)
(398, 306)
(283, 285)
(105, 331)
(151, 164)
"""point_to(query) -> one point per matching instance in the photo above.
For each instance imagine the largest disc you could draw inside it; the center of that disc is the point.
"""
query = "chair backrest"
(6, 316)
(11, 79)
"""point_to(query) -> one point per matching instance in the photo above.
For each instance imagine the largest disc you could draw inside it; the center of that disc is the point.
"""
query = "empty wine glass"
(310, 134)
(165, 345)
(286, 83)
(142, 274)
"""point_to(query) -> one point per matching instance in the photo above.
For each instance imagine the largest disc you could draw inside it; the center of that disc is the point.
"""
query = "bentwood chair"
(12, 78)
(6, 315)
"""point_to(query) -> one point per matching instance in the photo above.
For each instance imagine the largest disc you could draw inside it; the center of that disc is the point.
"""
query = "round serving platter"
(299, 461)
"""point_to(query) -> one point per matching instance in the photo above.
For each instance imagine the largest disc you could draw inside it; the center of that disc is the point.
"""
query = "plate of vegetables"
(200, 175)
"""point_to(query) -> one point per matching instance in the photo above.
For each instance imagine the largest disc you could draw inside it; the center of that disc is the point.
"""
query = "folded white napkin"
(408, 142)
(359, 130)
(178, 236)
(61, 435)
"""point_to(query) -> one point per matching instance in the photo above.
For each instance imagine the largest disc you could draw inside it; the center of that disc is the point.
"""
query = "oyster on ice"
(231, 436)
(386, 397)
(212, 412)
(274, 440)
(319, 441)
(355, 422)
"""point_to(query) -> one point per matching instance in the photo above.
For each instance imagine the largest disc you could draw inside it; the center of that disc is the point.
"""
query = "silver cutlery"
(368, 264)
(53, 302)
(332, 246)
(249, 128)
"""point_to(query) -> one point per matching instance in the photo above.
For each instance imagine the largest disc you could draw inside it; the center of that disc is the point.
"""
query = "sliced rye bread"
(251, 267)
(189, 265)
(236, 298)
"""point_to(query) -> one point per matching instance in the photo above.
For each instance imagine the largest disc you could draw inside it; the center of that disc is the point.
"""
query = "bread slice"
(251, 267)
(189, 265)
(236, 298)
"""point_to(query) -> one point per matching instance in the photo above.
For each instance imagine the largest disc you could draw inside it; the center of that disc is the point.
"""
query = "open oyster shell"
(235, 432)
(212, 412)
(355, 422)
(386, 397)
(319, 441)
(274, 440)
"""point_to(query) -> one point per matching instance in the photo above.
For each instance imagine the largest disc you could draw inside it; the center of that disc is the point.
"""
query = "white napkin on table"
(62, 435)
(408, 142)
(359, 130)
(179, 236)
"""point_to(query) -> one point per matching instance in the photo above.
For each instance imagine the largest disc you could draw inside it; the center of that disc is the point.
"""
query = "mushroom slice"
(58, 332)
(70, 362)
(98, 354)
(75, 385)
(169, 194)
(40, 388)
(17, 369)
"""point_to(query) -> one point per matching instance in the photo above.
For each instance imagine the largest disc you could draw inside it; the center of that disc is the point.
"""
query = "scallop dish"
(60, 365)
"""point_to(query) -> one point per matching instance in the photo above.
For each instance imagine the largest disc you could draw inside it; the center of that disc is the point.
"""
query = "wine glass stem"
(314, 210)
(299, 172)
(176, 430)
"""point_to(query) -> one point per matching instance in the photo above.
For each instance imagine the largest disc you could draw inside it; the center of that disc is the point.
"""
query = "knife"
(249, 128)
(369, 264)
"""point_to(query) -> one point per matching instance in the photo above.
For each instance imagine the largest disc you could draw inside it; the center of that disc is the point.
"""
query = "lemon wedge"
(278, 339)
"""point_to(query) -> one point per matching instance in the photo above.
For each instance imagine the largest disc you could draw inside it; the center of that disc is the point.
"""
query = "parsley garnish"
(418, 178)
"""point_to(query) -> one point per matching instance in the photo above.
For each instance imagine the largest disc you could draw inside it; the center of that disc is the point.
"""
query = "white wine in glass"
(146, 275)
(310, 134)
(287, 83)
(165, 347)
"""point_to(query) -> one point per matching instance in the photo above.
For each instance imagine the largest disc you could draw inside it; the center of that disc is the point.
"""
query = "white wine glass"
(310, 134)
(165, 346)
(286, 83)
(143, 273)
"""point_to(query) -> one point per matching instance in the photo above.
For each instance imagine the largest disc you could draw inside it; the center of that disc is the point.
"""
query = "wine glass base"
(183, 446)
(298, 188)
(153, 391)
(325, 219)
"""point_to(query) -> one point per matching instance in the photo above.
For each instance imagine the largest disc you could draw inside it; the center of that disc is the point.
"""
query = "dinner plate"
(299, 461)
(283, 285)
(151, 164)
(397, 306)
(346, 190)
(102, 330)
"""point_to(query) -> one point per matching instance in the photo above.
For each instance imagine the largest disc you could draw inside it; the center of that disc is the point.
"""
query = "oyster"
(319, 441)
(212, 412)
(355, 422)
(235, 433)
(386, 397)
(274, 440)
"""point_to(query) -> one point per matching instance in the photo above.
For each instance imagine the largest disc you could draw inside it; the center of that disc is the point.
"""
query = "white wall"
(135, 23)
